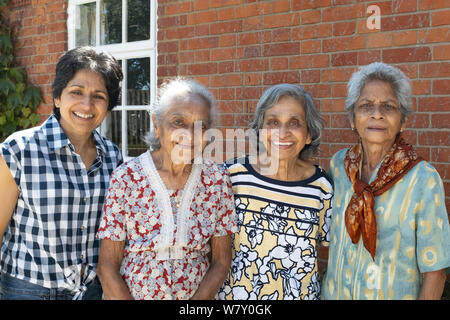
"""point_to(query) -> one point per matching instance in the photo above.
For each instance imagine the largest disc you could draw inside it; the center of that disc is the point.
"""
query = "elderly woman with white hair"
(283, 202)
(389, 236)
(167, 209)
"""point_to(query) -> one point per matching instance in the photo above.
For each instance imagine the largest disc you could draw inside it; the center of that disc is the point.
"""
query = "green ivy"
(18, 100)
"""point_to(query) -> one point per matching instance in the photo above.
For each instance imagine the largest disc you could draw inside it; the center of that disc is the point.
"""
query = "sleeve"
(226, 216)
(325, 216)
(11, 153)
(113, 220)
(432, 226)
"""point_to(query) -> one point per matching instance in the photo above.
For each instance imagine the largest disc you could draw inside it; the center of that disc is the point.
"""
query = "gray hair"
(314, 121)
(174, 90)
(379, 71)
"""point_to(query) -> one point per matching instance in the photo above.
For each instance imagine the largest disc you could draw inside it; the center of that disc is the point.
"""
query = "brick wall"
(237, 48)
(40, 38)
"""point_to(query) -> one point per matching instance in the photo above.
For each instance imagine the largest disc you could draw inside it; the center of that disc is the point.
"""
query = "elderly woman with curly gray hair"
(389, 235)
(282, 200)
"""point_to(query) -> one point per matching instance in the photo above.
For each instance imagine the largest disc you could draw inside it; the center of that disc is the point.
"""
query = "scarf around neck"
(360, 215)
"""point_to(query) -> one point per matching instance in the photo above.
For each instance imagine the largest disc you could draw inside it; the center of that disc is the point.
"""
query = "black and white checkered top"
(50, 240)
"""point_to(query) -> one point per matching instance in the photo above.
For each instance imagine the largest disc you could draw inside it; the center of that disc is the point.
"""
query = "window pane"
(138, 122)
(113, 127)
(85, 25)
(111, 22)
(138, 82)
(138, 20)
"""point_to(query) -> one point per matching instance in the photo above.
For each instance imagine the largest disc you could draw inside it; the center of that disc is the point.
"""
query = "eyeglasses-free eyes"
(368, 108)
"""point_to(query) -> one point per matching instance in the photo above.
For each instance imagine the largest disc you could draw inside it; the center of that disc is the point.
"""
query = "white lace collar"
(164, 243)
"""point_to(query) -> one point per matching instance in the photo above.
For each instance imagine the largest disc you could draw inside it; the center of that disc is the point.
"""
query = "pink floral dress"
(166, 246)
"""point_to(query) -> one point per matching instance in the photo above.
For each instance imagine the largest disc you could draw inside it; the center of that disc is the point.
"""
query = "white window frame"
(123, 51)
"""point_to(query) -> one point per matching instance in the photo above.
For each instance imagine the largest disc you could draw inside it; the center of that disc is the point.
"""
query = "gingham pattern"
(51, 236)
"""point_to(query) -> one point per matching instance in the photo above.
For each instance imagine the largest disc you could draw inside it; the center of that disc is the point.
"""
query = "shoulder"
(20, 140)
(212, 168)
(236, 165)
(338, 157)
(129, 168)
(425, 172)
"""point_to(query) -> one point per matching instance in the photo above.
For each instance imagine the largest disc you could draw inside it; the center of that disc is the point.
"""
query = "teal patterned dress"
(413, 237)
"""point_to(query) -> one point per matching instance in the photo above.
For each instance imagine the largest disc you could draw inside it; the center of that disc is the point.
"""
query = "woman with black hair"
(53, 179)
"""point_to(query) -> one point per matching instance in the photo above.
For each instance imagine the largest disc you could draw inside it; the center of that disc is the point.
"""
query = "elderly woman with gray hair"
(167, 209)
(389, 236)
(284, 213)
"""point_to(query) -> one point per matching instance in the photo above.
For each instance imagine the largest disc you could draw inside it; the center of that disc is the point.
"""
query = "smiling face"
(83, 103)
(175, 130)
(287, 130)
(377, 118)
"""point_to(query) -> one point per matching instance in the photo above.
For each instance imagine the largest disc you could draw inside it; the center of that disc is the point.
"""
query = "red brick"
(318, 90)
(418, 120)
(308, 76)
(201, 68)
(337, 75)
(435, 70)
(310, 4)
(281, 49)
(434, 103)
(252, 65)
(440, 121)
(435, 138)
(332, 105)
(281, 77)
(405, 38)
(440, 154)
(441, 52)
(279, 35)
(421, 87)
(440, 18)
(441, 86)
(434, 35)
(379, 39)
(202, 17)
(406, 55)
(311, 46)
(344, 28)
(281, 20)
(253, 38)
(344, 59)
(280, 6)
(343, 44)
(226, 14)
(226, 80)
(226, 27)
(311, 16)
(223, 54)
(368, 56)
(343, 13)
(312, 32)
(434, 4)
(412, 21)
(279, 63)
(309, 61)
(178, 8)
(339, 136)
(252, 10)
(401, 6)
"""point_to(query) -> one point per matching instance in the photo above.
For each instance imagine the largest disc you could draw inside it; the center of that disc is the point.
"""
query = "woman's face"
(83, 103)
(378, 119)
(286, 130)
(180, 131)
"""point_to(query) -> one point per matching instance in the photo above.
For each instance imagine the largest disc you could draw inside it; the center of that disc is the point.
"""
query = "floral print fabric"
(152, 267)
(281, 225)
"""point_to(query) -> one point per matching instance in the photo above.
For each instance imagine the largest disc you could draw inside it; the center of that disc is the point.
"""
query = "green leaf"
(2, 120)
(5, 43)
(35, 118)
(26, 112)
(14, 100)
(32, 97)
(6, 86)
(17, 73)
(24, 122)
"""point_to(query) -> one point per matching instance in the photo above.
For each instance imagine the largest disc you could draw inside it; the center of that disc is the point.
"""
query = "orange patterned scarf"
(360, 215)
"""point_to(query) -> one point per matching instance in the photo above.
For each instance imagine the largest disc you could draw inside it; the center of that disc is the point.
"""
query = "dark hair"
(88, 59)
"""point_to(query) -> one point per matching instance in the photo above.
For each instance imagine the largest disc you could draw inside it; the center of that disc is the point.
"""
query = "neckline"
(253, 171)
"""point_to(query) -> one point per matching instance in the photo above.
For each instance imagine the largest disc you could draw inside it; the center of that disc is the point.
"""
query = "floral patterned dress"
(166, 248)
(281, 225)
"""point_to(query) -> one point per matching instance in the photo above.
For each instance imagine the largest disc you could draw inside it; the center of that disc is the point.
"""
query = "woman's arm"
(432, 285)
(10, 194)
(218, 271)
(108, 271)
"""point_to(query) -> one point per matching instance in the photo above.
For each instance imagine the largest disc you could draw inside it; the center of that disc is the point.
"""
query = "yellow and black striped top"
(281, 224)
